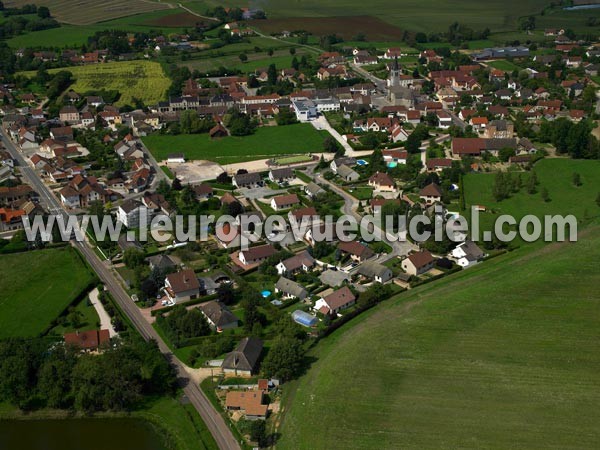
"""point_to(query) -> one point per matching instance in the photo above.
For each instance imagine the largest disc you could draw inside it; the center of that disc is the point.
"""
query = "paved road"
(379, 83)
(399, 248)
(159, 173)
(213, 420)
(321, 123)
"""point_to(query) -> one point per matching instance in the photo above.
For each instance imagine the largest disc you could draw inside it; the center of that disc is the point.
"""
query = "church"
(397, 94)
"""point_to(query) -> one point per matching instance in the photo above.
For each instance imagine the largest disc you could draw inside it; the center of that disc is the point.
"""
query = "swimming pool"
(362, 162)
(392, 164)
(266, 293)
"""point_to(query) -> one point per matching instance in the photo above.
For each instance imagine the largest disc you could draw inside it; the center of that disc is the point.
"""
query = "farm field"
(554, 175)
(76, 35)
(144, 80)
(36, 287)
(502, 355)
(281, 58)
(348, 27)
(414, 15)
(85, 12)
(266, 142)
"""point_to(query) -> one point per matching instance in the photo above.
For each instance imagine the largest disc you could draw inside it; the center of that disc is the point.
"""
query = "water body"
(78, 434)
(578, 7)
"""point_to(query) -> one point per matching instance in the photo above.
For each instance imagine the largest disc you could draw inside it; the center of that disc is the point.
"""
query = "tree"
(292, 51)
(133, 258)
(598, 200)
(330, 145)
(502, 186)
(75, 318)
(284, 360)
(43, 12)
(225, 294)
(258, 432)
(532, 183)
(243, 57)
(545, 195)
(505, 153)
(577, 179)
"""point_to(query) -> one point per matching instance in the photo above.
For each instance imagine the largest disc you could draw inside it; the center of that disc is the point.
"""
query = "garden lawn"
(502, 355)
(502, 64)
(266, 142)
(36, 287)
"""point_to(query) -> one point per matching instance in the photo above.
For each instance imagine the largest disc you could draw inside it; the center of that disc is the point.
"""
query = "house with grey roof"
(313, 189)
(218, 316)
(243, 361)
(290, 289)
(347, 174)
(375, 271)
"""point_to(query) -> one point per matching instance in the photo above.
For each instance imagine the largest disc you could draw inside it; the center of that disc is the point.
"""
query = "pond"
(77, 434)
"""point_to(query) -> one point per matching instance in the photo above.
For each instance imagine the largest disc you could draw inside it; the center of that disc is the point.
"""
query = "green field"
(144, 80)
(502, 355)
(281, 58)
(553, 174)
(293, 159)
(266, 142)
(503, 64)
(36, 286)
(418, 15)
(76, 35)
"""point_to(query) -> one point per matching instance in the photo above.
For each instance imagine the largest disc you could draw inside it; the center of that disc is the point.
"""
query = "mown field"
(144, 80)
(85, 12)
(502, 355)
(35, 287)
(556, 175)
(416, 15)
(266, 142)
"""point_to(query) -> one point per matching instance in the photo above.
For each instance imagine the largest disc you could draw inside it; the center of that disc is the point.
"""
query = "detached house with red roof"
(182, 286)
(418, 263)
(382, 182)
(431, 194)
(336, 301)
(87, 341)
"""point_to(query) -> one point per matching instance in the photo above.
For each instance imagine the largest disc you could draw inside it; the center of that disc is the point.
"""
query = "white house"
(133, 214)
(467, 254)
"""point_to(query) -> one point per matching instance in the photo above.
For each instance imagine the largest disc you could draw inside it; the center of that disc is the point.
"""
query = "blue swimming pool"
(392, 164)
(266, 293)
(362, 162)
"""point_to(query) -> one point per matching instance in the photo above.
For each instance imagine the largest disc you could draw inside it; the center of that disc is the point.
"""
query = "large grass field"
(418, 15)
(266, 142)
(556, 175)
(502, 355)
(144, 80)
(35, 287)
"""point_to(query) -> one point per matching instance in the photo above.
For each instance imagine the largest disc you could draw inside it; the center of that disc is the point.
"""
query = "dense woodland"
(36, 374)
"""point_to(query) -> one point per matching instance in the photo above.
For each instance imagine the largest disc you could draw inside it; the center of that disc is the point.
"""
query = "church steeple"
(394, 77)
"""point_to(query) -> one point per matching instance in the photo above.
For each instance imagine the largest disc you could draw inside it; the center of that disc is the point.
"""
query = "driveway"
(105, 322)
